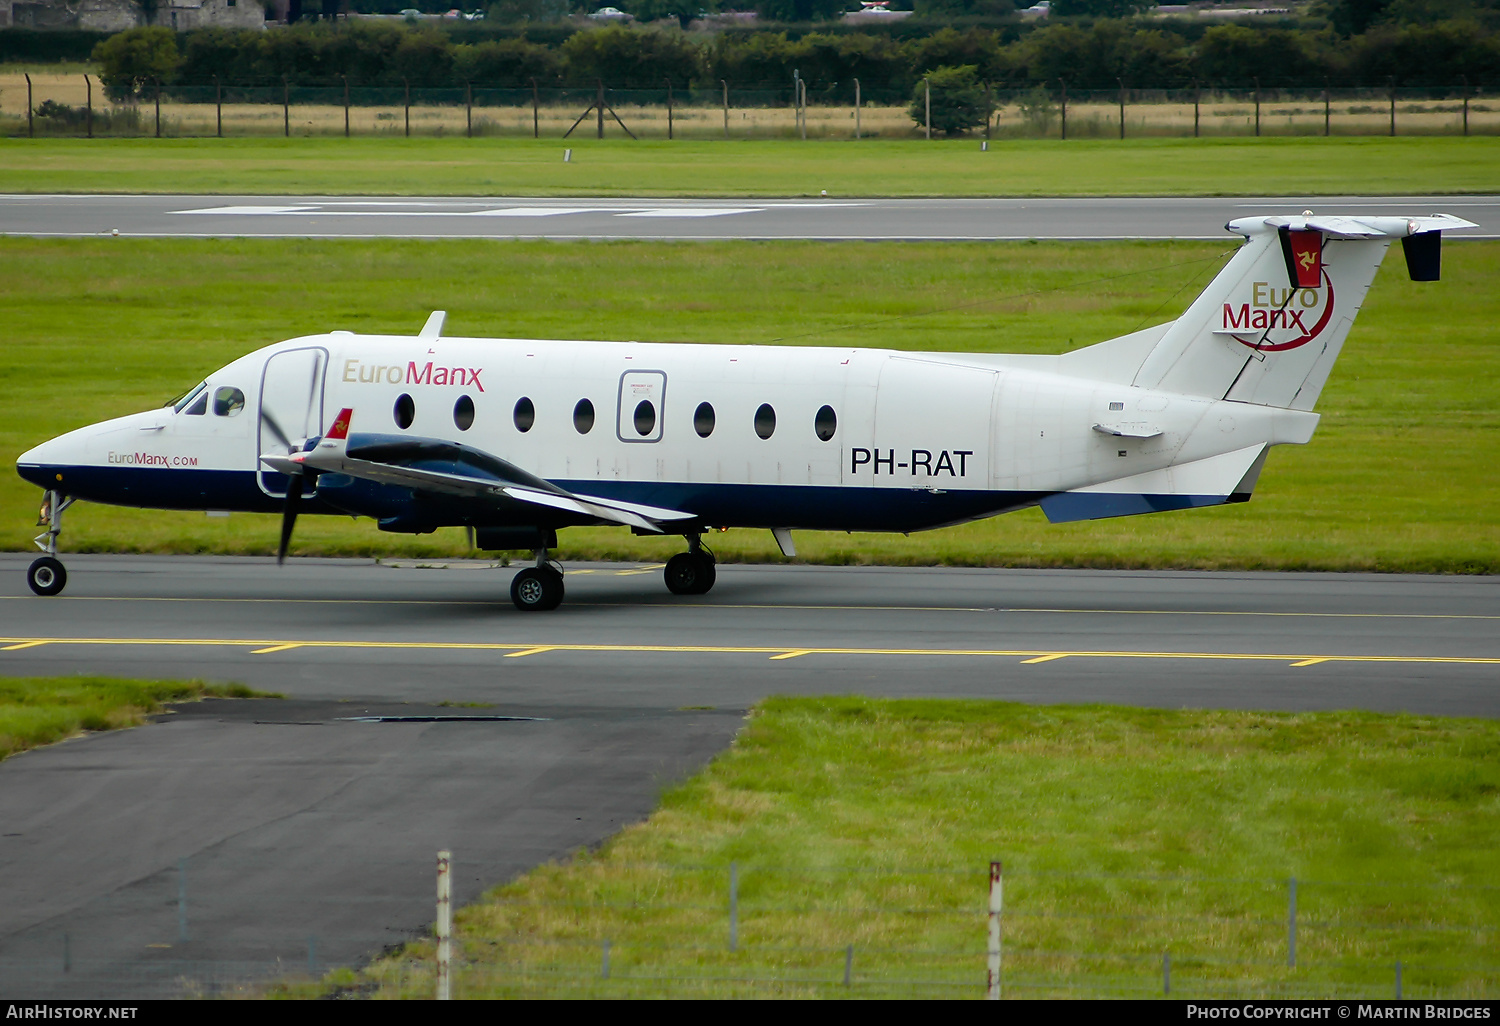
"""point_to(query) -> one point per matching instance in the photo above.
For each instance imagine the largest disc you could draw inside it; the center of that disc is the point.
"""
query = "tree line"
(1088, 54)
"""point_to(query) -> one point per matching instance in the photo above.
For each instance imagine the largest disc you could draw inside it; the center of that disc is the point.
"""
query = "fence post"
(993, 991)
(1391, 85)
(604, 962)
(1197, 96)
(669, 108)
(286, 108)
(989, 109)
(857, 106)
(734, 906)
(1291, 922)
(218, 109)
(346, 105)
(849, 964)
(536, 116)
(725, 83)
(182, 929)
(158, 108)
(1064, 84)
(600, 108)
(444, 925)
(1122, 106)
(406, 82)
(927, 107)
(1398, 979)
(797, 103)
(1166, 974)
(468, 110)
(89, 83)
(1326, 108)
(1257, 106)
(31, 131)
(1466, 105)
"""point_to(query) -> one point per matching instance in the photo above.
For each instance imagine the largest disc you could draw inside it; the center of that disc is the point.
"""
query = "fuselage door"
(642, 406)
(291, 409)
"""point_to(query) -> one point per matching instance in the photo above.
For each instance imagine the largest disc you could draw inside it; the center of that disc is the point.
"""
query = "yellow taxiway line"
(267, 646)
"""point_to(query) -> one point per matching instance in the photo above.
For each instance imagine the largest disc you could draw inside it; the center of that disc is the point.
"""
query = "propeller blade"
(289, 517)
(281, 437)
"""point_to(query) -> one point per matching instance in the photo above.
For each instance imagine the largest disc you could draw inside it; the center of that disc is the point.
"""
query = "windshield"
(186, 397)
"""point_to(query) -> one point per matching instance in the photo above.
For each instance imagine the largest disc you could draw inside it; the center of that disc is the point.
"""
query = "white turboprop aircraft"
(515, 438)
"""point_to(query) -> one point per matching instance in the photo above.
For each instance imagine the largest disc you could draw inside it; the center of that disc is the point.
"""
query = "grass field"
(1398, 477)
(1125, 833)
(521, 167)
(40, 710)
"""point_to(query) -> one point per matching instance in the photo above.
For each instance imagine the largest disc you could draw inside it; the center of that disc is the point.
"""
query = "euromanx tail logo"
(1278, 318)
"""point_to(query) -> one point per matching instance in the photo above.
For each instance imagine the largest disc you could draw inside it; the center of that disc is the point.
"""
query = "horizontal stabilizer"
(1228, 477)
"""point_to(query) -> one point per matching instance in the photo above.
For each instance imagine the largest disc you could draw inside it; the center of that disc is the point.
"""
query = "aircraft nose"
(40, 464)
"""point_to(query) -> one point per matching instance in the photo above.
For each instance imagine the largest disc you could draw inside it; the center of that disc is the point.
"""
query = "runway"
(833, 218)
(238, 833)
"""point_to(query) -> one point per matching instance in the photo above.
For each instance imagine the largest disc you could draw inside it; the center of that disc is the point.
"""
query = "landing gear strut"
(691, 572)
(538, 588)
(47, 575)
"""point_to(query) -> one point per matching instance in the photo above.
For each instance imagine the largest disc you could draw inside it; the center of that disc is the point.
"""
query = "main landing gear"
(538, 588)
(47, 575)
(691, 572)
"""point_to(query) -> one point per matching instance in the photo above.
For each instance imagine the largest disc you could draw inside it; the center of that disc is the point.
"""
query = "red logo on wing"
(340, 429)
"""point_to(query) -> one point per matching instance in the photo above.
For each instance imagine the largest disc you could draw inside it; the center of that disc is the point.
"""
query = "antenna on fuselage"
(434, 326)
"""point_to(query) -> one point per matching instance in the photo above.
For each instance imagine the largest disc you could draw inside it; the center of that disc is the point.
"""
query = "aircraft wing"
(474, 474)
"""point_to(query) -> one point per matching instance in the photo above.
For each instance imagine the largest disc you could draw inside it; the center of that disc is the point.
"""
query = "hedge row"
(1143, 54)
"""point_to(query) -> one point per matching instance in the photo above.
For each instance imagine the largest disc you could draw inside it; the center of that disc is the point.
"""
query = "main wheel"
(689, 573)
(537, 589)
(47, 576)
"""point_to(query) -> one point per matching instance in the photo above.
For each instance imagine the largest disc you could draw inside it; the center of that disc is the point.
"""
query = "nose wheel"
(691, 572)
(46, 575)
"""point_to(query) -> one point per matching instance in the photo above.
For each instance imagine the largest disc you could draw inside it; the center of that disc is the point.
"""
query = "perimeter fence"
(73, 105)
(220, 927)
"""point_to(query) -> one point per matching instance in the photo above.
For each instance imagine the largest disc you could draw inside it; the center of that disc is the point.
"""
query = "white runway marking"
(692, 212)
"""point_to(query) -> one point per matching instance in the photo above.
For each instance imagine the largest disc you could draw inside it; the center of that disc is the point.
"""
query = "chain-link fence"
(227, 927)
(74, 105)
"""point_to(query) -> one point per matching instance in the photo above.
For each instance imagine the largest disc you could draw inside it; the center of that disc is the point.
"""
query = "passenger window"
(765, 421)
(525, 415)
(703, 420)
(463, 413)
(645, 417)
(405, 411)
(228, 401)
(200, 406)
(825, 423)
(583, 416)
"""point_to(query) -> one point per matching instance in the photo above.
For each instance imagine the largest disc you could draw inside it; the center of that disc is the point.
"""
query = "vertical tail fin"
(1268, 328)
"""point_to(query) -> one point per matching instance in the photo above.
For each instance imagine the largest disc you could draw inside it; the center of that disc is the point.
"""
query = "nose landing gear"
(691, 572)
(47, 575)
(538, 588)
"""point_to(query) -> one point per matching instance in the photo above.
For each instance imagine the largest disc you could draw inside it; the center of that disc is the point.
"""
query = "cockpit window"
(228, 401)
(181, 401)
(199, 406)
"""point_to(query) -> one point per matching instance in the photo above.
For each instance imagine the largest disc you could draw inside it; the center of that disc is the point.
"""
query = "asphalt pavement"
(236, 839)
(831, 218)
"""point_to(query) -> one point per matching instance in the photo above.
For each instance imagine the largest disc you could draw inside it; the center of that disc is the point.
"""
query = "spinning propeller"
(293, 487)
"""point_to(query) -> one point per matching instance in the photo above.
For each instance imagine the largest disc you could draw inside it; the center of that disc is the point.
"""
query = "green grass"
(1398, 477)
(519, 167)
(37, 711)
(1124, 833)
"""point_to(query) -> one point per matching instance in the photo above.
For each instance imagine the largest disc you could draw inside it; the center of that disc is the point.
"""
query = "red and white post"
(993, 992)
